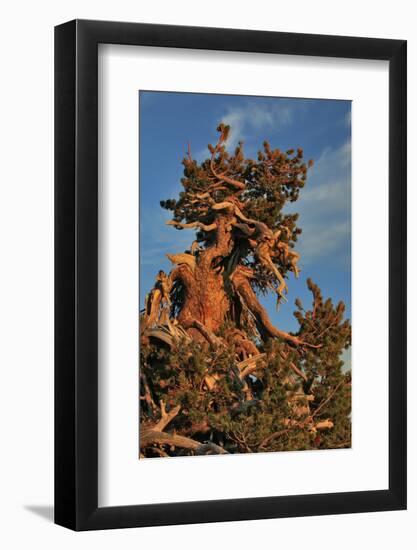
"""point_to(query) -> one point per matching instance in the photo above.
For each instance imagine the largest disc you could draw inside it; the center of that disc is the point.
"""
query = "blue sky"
(169, 121)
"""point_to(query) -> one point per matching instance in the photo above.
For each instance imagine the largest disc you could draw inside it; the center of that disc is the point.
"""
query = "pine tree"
(216, 376)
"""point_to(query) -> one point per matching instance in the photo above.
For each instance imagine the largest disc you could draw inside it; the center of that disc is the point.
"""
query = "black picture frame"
(76, 272)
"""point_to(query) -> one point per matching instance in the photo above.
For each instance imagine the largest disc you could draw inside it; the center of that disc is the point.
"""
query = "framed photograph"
(230, 252)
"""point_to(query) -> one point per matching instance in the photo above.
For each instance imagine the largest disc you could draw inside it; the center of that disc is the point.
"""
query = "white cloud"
(253, 117)
(325, 207)
(319, 240)
(331, 161)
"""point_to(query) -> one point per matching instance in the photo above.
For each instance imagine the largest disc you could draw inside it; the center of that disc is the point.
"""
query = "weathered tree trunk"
(205, 296)
(205, 299)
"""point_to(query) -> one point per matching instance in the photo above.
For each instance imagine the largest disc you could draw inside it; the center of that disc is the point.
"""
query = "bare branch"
(183, 259)
(208, 335)
(151, 437)
(250, 365)
(192, 225)
(324, 403)
(222, 177)
(244, 290)
(166, 417)
(324, 425)
(294, 367)
(210, 448)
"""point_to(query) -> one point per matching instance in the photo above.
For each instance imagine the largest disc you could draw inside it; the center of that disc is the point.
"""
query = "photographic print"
(245, 274)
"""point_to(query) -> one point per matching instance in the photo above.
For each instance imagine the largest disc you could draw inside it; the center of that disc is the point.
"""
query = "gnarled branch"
(266, 328)
(165, 417)
(193, 225)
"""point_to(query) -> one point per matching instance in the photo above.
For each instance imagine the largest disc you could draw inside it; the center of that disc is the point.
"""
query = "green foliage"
(269, 420)
(271, 181)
